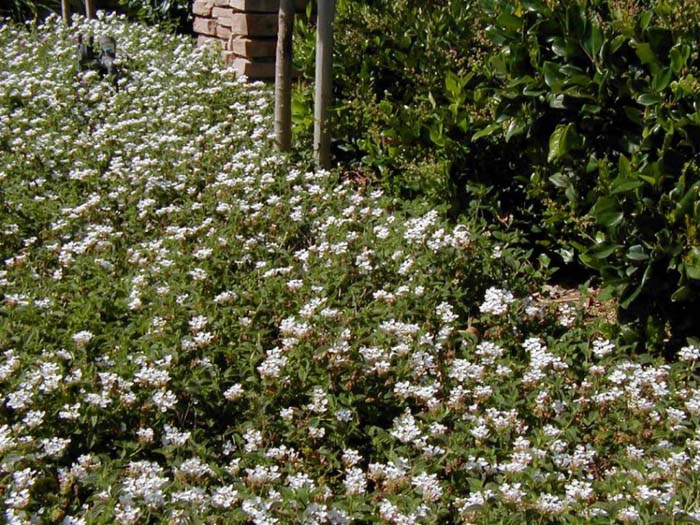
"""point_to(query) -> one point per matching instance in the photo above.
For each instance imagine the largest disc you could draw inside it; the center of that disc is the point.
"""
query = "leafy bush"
(22, 10)
(391, 61)
(601, 99)
(171, 15)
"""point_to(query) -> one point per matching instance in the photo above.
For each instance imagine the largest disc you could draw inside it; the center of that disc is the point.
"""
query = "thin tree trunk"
(90, 8)
(65, 11)
(324, 83)
(283, 76)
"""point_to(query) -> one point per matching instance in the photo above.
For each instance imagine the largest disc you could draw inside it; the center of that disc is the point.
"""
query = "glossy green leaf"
(560, 180)
(621, 185)
(679, 55)
(562, 141)
(692, 264)
(485, 132)
(637, 253)
(602, 250)
(662, 79)
(648, 99)
(681, 294)
(623, 166)
(553, 77)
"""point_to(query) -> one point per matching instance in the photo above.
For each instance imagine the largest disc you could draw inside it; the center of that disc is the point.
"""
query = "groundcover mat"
(195, 329)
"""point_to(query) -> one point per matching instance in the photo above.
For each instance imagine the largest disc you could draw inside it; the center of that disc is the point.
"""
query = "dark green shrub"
(601, 98)
(171, 15)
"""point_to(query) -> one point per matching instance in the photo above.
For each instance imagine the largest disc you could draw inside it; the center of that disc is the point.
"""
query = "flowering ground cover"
(193, 329)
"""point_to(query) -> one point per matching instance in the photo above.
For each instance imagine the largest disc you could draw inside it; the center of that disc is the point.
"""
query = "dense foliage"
(601, 98)
(394, 114)
(195, 330)
(577, 121)
(169, 15)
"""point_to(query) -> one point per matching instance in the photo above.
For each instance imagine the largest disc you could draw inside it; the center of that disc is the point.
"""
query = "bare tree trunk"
(324, 83)
(283, 76)
(65, 11)
(90, 8)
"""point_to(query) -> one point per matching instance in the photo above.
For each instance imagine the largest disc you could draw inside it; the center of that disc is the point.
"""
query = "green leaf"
(679, 55)
(637, 253)
(681, 294)
(515, 127)
(628, 298)
(623, 165)
(509, 22)
(560, 181)
(645, 53)
(606, 212)
(553, 76)
(452, 84)
(485, 132)
(662, 79)
(648, 99)
(562, 141)
(602, 250)
(594, 41)
(692, 264)
(621, 185)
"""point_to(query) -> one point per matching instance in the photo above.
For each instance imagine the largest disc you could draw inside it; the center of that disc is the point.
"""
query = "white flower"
(496, 301)
(628, 515)
(405, 428)
(428, 486)
(689, 353)
(81, 339)
(234, 392)
(224, 497)
(602, 347)
(355, 481)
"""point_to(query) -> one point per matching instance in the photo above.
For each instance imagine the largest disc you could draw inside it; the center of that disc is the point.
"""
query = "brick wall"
(246, 29)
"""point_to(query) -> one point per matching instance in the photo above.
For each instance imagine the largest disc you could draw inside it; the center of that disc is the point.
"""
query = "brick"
(229, 57)
(223, 32)
(253, 69)
(258, 48)
(254, 24)
(204, 26)
(219, 12)
(204, 40)
(202, 7)
(263, 6)
(225, 21)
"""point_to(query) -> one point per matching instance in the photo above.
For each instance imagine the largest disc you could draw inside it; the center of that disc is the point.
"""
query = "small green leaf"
(637, 253)
(648, 99)
(645, 53)
(485, 132)
(645, 19)
(620, 185)
(623, 165)
(692, 264)
(602, 250)
(679, 55)
(562, 141)
(553, 76)
(560, 180)
(662, 79)
(606, 212)
(681, 294)
(452, 84)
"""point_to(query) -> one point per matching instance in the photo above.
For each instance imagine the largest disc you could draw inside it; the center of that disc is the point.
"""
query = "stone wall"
(246, 29)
